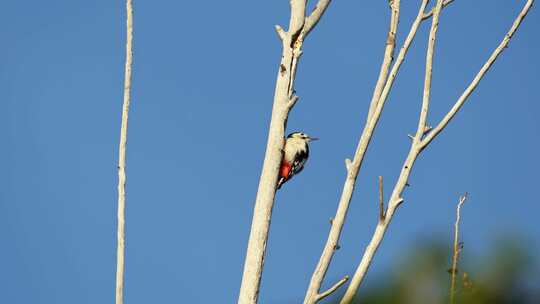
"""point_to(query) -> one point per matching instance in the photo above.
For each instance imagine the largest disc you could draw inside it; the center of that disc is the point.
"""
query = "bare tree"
(422, 138)
(120, 250)
(285, 99)
(300, 26)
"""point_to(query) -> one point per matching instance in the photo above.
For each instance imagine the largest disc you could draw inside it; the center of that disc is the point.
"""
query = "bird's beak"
(313, 138)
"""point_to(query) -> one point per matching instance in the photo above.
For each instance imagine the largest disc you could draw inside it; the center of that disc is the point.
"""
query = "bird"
(295, 156)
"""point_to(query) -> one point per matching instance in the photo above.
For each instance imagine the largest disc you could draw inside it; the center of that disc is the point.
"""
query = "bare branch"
(315, 16)
(428, 73)
(353, 168)
(472, 86)
(399, 60)
(120, 246)
(415, 150)
(457, 248)
(430, 13)
(387, 58)
(297, 34)
(298, 18)
(334, 287)
(389, 81)
(294, 38)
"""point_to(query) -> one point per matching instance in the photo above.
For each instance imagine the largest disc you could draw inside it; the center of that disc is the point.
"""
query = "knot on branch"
(391, 38)
(348, 164)
(282, 69)
(296, 41)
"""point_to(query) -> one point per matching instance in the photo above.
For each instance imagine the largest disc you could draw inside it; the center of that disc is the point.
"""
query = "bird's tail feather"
(280, 182)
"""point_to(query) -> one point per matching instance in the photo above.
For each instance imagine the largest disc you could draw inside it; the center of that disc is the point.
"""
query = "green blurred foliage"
(507, 273)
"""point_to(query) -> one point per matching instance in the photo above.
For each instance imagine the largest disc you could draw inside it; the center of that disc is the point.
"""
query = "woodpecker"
(295, 155)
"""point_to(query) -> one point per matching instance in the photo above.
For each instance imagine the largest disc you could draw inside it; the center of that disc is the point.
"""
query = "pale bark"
(424, 135)
(315, 16)
(388, 56)
(353, 167)
(120, 250)
(284, 100)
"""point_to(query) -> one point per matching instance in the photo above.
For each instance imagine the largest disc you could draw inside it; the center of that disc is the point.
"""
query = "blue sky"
(203, 81)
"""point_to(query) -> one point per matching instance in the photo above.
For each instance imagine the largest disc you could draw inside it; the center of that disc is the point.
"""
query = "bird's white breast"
(292, 147)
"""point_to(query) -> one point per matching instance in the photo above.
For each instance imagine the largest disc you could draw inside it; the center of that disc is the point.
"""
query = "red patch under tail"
(284, 173)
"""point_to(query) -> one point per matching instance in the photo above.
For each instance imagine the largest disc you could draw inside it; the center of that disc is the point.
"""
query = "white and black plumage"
(295, 156)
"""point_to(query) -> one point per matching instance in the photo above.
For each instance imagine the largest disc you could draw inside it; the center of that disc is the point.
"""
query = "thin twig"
(334, 287)
(120, 249)
(381, 200)
(457, 249)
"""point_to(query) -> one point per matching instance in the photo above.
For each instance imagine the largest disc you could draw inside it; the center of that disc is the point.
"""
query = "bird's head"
(302, 136)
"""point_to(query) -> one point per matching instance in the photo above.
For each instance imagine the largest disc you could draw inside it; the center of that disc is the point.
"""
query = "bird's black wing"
(300, 160)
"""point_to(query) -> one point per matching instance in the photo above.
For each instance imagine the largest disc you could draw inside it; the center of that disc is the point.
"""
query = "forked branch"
(430, 13)
(380, 95)
(334, 287)
(419, 144)
(315, 16)
(476, 80)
